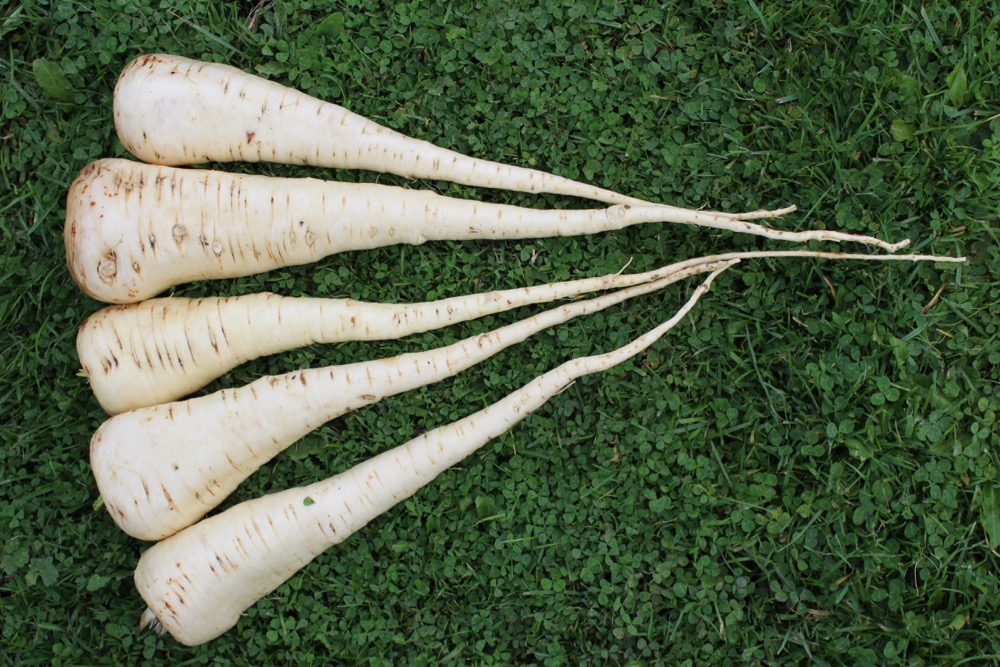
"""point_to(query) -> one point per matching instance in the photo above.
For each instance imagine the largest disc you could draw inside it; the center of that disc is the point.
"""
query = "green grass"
(804, 472)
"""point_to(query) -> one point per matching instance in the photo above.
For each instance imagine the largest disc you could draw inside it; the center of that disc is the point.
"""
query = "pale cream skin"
(198, 582)
(160, 350)
(133, 230)
(161, 468)
(172, 110)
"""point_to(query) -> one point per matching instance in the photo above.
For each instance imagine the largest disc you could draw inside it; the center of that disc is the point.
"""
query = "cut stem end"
(150, 620)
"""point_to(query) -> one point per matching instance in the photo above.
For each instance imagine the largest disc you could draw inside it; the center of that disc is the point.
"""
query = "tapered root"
(761, 213)
(745, 227)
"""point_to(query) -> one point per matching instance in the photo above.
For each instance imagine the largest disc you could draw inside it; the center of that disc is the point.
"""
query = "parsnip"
(162, 468)
(198, 582)
(172, 110)
(160, 350)
(133, 230)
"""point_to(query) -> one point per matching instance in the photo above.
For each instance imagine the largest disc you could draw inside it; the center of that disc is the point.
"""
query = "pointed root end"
(763, 213)
(893, 247)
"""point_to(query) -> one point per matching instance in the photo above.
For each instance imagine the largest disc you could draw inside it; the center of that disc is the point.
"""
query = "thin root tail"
(762, 213)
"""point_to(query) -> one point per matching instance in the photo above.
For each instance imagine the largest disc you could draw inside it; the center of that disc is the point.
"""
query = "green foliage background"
(803, 472)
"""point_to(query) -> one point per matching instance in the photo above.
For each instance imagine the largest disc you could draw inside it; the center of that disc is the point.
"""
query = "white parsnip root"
(160, 350)
(172, 110)
(162, 468)
(133, 230)
(198, 582)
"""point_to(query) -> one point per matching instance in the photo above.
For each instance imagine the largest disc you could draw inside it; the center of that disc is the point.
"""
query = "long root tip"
(757, 215)
(893, 247)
